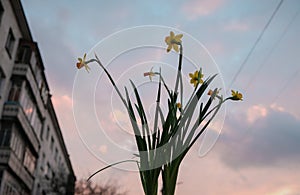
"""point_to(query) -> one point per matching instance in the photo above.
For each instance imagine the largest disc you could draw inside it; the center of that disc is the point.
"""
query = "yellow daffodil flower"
(236, 95)
(196, 78)
(82, 63)
(173, 41)
(178, 105)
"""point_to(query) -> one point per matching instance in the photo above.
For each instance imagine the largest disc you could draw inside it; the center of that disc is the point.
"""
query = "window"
(39, 80)
(38, 188)
(48, 171)
(10, 42)
(44, 92)
(29, 108)
(24, 54)
(5, 134)
(48, 168)
(59, 160)
(9, 189)
(55, 154)
(17, 144)
(52, 143)
(15, 91)
(1, 12)
(53, 174)
(35, 122)
(29, 161)
(42, 132)
(33, 116)
(48, 132)
(1, 174)
(2, 77)
(43, 161)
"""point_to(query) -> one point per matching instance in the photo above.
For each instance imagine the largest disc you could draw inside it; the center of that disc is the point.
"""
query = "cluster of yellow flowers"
(173, 41)
(197, 77)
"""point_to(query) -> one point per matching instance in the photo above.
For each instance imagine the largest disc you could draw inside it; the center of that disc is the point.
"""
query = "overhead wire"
(255, 44)
(272, 50)
(292, 77)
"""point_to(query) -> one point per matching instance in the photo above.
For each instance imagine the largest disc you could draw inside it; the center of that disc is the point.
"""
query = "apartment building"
(33, 155)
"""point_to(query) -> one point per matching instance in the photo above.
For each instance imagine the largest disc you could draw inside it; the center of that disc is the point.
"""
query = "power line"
(255, 44)
(272, 50)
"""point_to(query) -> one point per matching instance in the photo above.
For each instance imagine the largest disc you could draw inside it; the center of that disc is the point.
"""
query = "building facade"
(33, 155)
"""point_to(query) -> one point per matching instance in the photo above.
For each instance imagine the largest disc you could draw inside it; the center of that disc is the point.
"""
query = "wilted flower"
(210, 93)
(82, 63)
(150, 74)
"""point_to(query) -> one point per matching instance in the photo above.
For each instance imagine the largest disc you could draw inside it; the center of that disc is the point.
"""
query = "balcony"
(7, 156)
(11, 110)
(25, 71)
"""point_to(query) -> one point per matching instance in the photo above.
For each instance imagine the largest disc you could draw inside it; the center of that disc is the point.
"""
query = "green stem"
(111, 80)
(111, 166)
(179, 69)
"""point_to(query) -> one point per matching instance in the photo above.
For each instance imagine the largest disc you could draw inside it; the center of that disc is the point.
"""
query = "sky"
(258, 149)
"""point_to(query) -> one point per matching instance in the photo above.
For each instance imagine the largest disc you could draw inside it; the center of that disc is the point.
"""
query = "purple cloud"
(270, 139)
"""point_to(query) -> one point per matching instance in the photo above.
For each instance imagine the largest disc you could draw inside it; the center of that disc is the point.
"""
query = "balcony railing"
(13, 109)
(4, 156)
(7, 156)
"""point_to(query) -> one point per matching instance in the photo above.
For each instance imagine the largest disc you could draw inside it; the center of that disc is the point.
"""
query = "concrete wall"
(6, 63)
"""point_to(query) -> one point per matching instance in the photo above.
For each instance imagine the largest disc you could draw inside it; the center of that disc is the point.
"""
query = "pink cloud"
(63, 100)
(63, 109)
(195, 8)
(255, 112)
(260, 111)
(211, 176)
(103, 149)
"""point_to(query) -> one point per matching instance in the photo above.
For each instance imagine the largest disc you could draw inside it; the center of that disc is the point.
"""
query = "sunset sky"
(258, 151)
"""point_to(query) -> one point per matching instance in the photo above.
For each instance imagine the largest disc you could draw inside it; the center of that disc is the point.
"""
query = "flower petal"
(169, 48)
(232, 92)
(177, 38)
(168, 40)
(175, 46)
(196, 74)
(79, 65)
(172, 35)
(87, 68)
